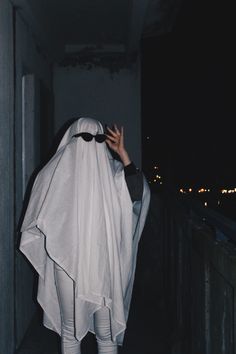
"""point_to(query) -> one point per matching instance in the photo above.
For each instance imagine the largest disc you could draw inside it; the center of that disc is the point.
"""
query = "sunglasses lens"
(87, 136)
(100, 138)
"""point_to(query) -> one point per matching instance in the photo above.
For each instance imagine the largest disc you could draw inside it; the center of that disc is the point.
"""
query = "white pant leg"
(103, 332)
(65, 291)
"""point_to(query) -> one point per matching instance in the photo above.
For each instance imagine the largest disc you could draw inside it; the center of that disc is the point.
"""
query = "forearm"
(124, 156)
(134, 181)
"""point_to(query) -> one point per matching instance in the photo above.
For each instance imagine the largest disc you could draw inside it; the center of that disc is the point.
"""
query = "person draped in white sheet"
(81, 232)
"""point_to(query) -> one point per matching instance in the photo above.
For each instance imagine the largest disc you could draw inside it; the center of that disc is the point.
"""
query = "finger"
(122, 135)
(111, 131)
(116, 129)
(112, 138)
(109, 143)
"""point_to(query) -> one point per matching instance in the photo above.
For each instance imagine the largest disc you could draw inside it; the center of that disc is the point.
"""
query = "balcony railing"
(197, 256)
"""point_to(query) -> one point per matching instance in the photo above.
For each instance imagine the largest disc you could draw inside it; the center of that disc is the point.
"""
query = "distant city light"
(156, 177)
(205, 204)
(148, 137)
(203, 190)
(190, 190)
(224, 191)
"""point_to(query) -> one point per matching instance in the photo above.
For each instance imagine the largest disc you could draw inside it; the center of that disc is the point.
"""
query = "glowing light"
(218, 202)
(205, 204)
(203, 190)
(228, 191)
(148, 137)
(155, 167)
(161, 182)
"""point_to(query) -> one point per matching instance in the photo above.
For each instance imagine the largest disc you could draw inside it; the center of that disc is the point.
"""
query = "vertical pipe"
(207, 307)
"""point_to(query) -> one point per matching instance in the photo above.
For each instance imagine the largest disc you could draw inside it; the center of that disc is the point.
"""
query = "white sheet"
(80, 215)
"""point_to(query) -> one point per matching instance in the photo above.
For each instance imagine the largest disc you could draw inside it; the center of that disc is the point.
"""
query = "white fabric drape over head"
(80, 215)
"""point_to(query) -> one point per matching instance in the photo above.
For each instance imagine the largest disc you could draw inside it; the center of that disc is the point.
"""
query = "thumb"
(109, 143)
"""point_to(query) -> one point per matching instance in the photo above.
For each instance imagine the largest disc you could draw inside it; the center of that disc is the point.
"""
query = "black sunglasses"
(100, 138)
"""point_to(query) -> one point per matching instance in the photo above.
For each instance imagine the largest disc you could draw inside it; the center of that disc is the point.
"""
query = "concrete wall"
(19, 55)
(6, 180)
(30, 62)
(108, 97)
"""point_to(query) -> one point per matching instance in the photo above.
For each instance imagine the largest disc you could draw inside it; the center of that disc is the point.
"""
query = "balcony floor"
(147, 330)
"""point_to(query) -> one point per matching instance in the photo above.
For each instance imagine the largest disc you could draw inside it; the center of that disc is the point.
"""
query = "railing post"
(207, 305)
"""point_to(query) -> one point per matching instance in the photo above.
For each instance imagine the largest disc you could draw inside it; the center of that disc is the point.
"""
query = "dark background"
(188, 92)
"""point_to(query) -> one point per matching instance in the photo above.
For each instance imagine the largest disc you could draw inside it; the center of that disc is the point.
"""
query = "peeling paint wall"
(18, 56)
(31, 63)
(107, 95)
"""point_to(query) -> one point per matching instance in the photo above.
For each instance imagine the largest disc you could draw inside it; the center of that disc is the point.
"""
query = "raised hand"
(115, 141)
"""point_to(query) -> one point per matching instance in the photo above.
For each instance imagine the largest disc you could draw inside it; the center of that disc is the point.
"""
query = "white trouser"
(69, 344)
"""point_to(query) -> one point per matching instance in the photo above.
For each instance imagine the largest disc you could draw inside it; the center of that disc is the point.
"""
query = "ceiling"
(67, 26)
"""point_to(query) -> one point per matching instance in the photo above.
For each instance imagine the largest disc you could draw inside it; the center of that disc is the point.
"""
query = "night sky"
(188, 96)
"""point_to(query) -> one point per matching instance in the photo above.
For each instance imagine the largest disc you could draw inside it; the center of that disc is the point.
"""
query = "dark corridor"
(123, 62)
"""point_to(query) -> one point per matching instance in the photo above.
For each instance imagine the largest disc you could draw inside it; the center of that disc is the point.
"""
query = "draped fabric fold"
(80, 215)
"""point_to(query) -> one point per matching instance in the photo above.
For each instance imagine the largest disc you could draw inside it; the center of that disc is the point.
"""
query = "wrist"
(124, 156)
